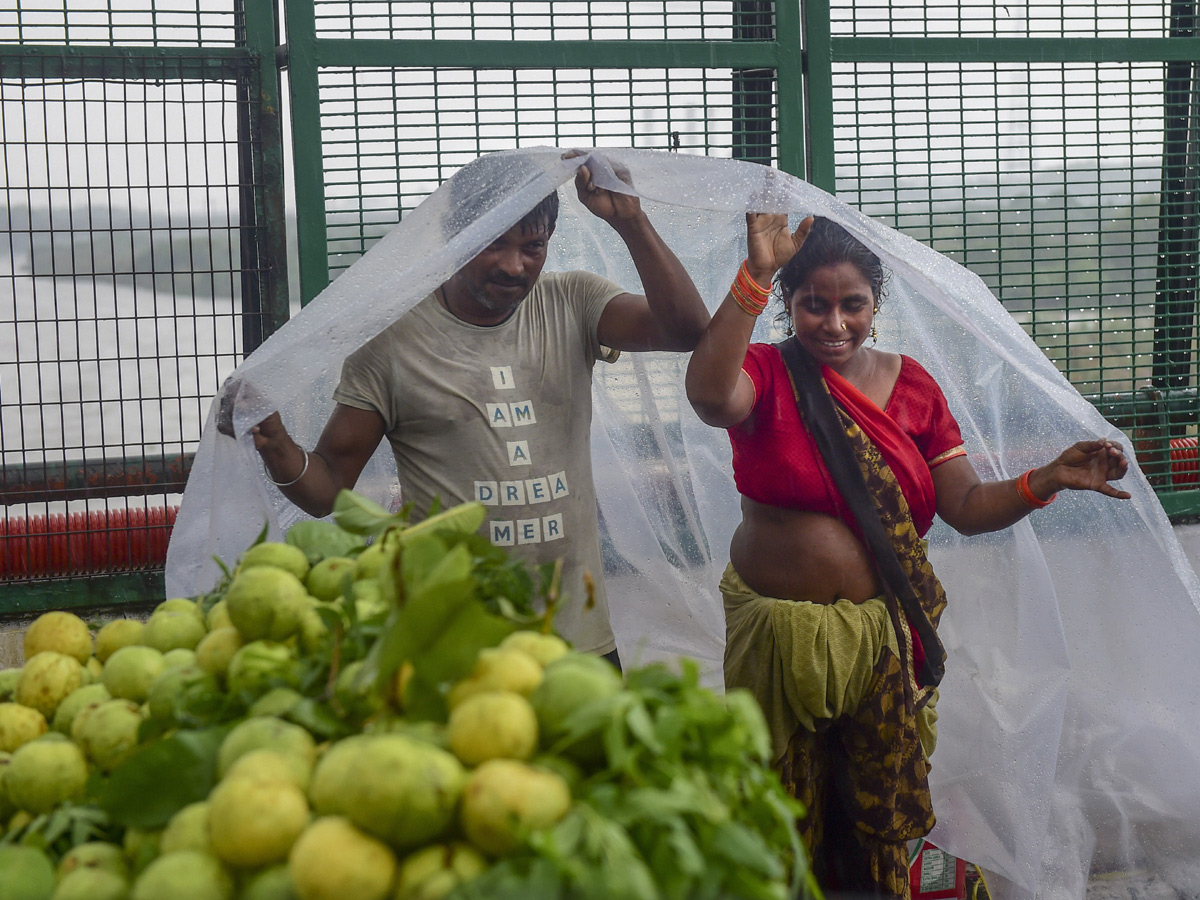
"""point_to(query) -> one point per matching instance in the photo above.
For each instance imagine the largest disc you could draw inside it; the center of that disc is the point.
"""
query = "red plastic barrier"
(1185, 461)
(83, 543)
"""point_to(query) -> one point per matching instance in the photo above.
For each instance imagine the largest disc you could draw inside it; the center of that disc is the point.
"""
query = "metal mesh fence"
(123, 293)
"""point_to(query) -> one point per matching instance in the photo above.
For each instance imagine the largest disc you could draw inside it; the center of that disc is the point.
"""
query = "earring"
(874, 333)
(789, 331)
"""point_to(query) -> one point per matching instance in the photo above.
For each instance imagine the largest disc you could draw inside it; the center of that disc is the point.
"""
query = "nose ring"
(843, 326)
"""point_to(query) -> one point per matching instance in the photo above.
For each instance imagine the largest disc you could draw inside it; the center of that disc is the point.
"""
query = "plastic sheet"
(1069, 742)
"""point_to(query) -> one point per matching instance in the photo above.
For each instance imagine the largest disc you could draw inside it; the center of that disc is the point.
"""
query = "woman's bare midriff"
(799, 555)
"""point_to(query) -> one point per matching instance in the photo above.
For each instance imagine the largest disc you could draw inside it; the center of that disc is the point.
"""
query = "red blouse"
(776, 461)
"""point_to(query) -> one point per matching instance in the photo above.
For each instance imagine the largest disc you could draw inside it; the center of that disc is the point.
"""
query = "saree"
(857, 757)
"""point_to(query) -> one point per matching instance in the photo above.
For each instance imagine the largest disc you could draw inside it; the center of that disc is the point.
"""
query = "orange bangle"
(749, 294)
(1027, 496)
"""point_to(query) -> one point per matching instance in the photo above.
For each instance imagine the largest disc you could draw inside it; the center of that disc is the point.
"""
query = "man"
(484, 392)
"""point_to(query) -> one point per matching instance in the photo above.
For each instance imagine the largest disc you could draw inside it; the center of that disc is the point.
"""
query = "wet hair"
(829, 244)
(472, 186)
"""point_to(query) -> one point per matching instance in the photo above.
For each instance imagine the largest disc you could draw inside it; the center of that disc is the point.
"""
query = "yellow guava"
(493, 725)
(62, 632)
(117, 634)
(326, 579)
(26, 873)
(498, 669)
(254, 822)
(277, 555)
(46, 680)
(18, 725)
(504, 800)
(266, 603)
(392, 786)
(108, 732)
(93, 670)
(91, 884)
(184, 873)
(44, 773)
(171, 629)
(334, 860)
(131, 670)
(75, 702)
(178, 604)
(434, 871)
(545, 648)
(216, 649)
(265, 764)
(95, 855)
(269, 733)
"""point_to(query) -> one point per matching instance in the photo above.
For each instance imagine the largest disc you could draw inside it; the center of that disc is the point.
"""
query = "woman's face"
(832, 313)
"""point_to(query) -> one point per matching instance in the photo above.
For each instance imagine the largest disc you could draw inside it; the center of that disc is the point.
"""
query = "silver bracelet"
(303, 472)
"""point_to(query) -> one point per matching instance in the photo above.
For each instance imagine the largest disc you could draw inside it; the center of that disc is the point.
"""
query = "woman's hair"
(829, 244)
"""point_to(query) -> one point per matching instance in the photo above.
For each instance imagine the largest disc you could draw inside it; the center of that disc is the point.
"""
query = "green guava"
(117, 634)
(570, 682)
(254, 822)
(178, 604)
(91, 884)
(392, 786)
(187, 830)
(326, 579)
(141, 847)
(545, 648)
(357, 695)
(175, 686)
(62, 632)
(108, 732)
(372, 559)
(272, 883)
(499, 669)
(171, 629)
(266, 603)
(44, 773)
(275, 554)
(93, 670)
(216, 649)
(8, 682)
(95, 855)
(434, 871)
(178, 658)
(75, 702)
(259, 666)
(334, 860)
(493, 725)
(275, 702)
(25, 874)
(131, 670)
(313, 630)
(504, 800)
(19, 724)
(184, 873)
(218, 616)
(265, 733)
(47, 679)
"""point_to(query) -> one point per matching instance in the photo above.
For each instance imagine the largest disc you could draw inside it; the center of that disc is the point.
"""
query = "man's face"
(501, 276)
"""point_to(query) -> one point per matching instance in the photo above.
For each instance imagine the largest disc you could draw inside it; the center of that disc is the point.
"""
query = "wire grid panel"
(988, 18)
(391, 136)
(131, 23)
(1043, 179)
(121, 278)
(530, 20)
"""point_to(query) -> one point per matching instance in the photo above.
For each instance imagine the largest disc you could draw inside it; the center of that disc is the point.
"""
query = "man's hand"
(611, 206)
(283, 457)
(769, 244)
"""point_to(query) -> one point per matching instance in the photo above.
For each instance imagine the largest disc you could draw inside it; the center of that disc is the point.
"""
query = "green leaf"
(462, 519)
(320, 539)
(358, 515)
(161, 778)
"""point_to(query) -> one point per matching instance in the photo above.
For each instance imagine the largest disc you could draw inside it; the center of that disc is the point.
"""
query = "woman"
(843, 454)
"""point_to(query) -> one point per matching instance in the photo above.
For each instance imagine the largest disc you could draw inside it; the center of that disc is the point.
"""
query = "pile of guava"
(373, 710)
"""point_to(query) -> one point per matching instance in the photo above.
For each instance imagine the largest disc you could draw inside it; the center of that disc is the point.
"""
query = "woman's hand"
(769, 244)
(1085, 466)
